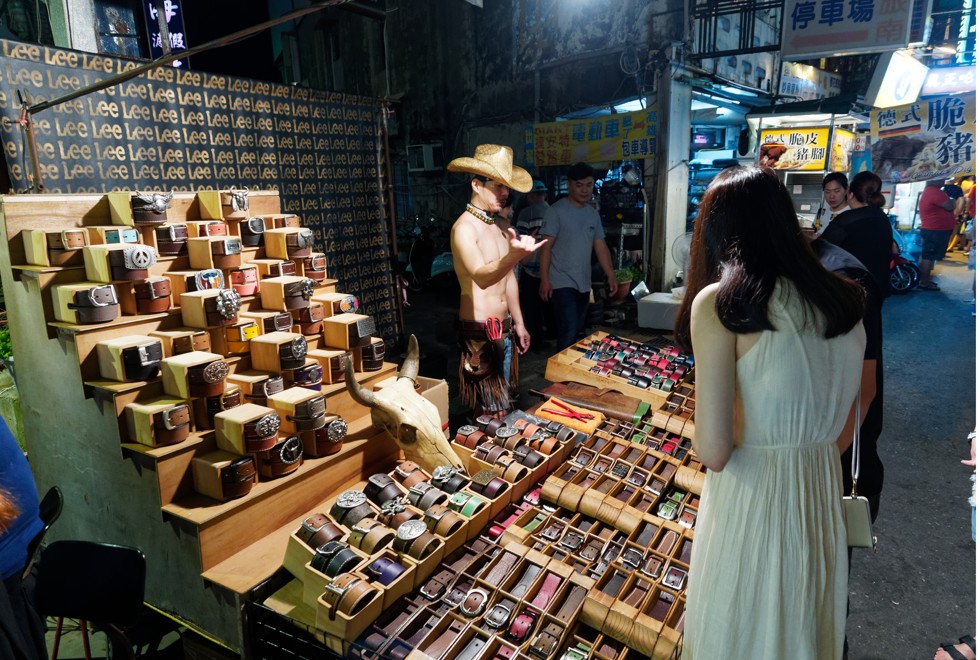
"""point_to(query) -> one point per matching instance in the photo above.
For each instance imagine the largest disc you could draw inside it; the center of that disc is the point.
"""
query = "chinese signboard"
(610, 137)
(177, 129)
(819, 28)
(840, 152)
(173, 16)
(794, 148)
(807, 83)
(930, 139)
(950, 80)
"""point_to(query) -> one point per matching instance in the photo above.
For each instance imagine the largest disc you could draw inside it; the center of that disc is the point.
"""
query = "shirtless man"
(484, 258)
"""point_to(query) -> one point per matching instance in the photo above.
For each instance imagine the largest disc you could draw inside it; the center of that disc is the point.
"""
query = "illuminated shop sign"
(950, 80)
(803, 148)
(174, 16)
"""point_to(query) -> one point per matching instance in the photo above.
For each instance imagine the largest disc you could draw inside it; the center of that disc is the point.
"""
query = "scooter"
(904, 273)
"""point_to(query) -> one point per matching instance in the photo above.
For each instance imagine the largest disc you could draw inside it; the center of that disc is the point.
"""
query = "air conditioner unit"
(425, 157)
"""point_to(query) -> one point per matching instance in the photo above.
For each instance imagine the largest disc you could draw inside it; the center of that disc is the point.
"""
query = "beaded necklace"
(481, 214)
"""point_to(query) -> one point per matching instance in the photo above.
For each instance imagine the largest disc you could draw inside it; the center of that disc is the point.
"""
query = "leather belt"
(237, 201)
(360, 332)
(245, 281)
(326, 440)
(116, 236)
(237, 478)
(310, 319)
(509, 469)
(213, 229)
(527, 579)
(375, 351)
(310, 415)
(546, 591)
(286, 220)
(473, 648)
(407, 473)
(232, 398)
(222, 309)
(424, 495)
(172, 425)
(395, 512)
(263, 388)
(97, 304)
(505, 564)
(172, 240)
(252, 230)
(486, 483)
(528, 457)
(142, 362)
(299, 244)
(381, 488)
(659, 608)
(205, 280)
(284, 458)
(309, 376)
(449, 479)
(150, 208)
(546, 642)
(521, 626)
(131, 263)
(228, 247)
(346, 305)
(153, 295)
(348, 594)
(337, 366)
(292, 353)
(413, 539)
(499, 615)
(466, 504)
(443, 522)
(351, 507)
(438, 647)
(315, 266)
(281, 322)
(318, 530)
(207, 379)
(281, 269)
(296, 295)
(370, 536)
(489, 452)
(469, 436)
(261, 434)
(69, 239)
(334, 558)
(384, 570)
(237, 337)
(197, 340)
(674, 578)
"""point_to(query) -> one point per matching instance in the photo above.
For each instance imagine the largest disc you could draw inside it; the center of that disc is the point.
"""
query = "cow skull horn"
(358, 392)
(410, 367)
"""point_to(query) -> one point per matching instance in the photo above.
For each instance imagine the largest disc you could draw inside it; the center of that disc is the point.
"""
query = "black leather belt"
(207, 379)
(281, 322)
(172, 240)
(142, 362)
(297, 294)
(262, 389)
(252, 230)
(237, 478)
(292, 354)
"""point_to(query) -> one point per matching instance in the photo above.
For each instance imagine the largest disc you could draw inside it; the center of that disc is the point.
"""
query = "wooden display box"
(110, 357)
(204, 228)
(183, 340)
(201, 255)
(336, 303)
(341, 627)
(96, 259)
(274, 268)
(272, 291)
(280, 220)
(229, 426)
(193, 309)
(174, 369)
(285, 403)
(338, 333)
(206, 471)
(139, 418)
(275, 242)
(63, 295)
(324, 355)
(265, 350)
(297, 557)
(260, 316)
(246, 379)
(314, 581)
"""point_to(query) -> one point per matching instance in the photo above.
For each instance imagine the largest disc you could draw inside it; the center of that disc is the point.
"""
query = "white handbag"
(857, 510)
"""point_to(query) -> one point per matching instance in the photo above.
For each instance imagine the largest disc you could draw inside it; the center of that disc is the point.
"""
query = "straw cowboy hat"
(494, 162)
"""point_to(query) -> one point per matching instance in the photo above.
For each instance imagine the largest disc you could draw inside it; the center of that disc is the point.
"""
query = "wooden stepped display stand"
(204, 557)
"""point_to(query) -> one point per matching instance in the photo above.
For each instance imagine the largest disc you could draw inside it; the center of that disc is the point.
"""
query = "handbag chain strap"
(856, 446)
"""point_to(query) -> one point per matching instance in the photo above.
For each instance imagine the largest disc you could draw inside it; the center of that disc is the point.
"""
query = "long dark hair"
(746, 235)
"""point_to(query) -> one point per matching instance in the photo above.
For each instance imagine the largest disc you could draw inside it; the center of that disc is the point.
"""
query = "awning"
(843, 104)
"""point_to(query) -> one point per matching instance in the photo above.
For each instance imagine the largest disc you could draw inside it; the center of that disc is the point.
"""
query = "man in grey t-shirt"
(572, 230)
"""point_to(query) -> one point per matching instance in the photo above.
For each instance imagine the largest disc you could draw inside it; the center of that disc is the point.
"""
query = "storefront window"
(116, 22)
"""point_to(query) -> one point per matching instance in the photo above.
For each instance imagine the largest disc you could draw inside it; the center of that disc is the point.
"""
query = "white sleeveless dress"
(768, 575)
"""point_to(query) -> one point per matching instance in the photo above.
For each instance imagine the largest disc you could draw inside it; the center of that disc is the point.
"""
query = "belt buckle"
(210, 278)
(94, 291)
(168, 418)
(572, 540)
(256, 225)
(232, 246)
(632, 558)
(145, 359)
(138, 257)
(239, 199)
(479, 608)
(431, 594)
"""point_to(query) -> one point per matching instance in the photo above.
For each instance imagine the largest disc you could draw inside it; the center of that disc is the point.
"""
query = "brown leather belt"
(284, 221)
(199, 340)
(281, 322)
(131, 263)
(95, 305)
(310, 319)
(227, 248)
(150, 208)
(299, 244)
(261, 434)
(450, 634)
(69, 239)
(153, 295)
(237, 478)
(252, 230)
(370, 536)
(315, 266)
(222, 309)
(215, 404)
(172, 425)
(263, 388)
(337, 366)
(292, 354)
(318, 530)
(311, 414)
(297, 294)
(326, 440)
(284, 458)
(172, 239)
(207, 379)
(281, 269)
(214, 229)
(348, 594)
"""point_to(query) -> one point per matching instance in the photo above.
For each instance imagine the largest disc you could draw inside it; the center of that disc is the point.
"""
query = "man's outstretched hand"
(522, 246)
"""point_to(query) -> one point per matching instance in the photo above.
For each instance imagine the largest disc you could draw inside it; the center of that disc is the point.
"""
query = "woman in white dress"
(778, 345)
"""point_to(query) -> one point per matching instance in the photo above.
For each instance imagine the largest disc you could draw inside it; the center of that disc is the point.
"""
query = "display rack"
(204, 557)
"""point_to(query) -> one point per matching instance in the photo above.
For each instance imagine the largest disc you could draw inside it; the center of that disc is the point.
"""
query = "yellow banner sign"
(794, 148)
(929, 139)
(611, 137)
(840, 152)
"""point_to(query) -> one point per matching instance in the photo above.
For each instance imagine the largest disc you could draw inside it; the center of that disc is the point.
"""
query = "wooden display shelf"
(226, 528)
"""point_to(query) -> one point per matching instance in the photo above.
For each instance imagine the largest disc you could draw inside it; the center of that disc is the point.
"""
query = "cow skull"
(410, 419)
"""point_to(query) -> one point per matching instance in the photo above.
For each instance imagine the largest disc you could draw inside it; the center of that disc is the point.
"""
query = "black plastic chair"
(95, 583)
(49, 511)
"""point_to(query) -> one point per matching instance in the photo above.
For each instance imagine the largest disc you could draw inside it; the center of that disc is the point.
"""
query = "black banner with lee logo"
(174, 129)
